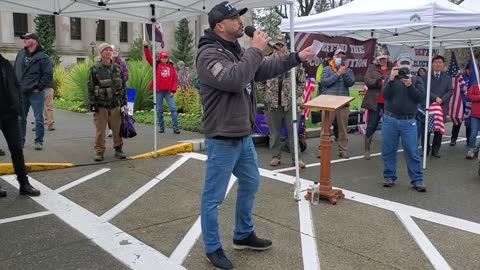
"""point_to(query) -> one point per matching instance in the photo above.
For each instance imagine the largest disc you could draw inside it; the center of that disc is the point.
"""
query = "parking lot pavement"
(140, 213)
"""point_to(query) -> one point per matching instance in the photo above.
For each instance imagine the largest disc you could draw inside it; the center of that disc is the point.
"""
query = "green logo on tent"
(415, 18)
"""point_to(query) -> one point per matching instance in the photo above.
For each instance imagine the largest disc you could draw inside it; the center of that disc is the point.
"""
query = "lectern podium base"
(331, 195)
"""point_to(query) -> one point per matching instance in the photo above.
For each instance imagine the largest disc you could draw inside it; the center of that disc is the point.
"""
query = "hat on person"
(405, 57)
(181, 63)
(280, 39)
(163, 55)
(29, 36)
(223, 11)
(339, 51)
(381, 54)
(103, 46)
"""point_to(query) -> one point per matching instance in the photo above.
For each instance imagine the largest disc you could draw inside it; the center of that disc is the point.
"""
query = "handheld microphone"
(249, 30)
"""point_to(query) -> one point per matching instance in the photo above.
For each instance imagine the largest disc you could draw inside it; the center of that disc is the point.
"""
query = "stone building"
(77, 37)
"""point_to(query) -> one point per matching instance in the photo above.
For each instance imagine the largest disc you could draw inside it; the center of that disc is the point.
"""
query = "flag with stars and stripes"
(307, 94)
(455, 105)
(435, 118)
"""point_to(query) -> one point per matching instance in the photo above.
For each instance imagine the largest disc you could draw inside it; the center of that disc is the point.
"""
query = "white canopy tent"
(147, 12)
(471, 4)
(415, 23)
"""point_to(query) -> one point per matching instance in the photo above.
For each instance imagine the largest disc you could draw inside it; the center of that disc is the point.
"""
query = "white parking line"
(310, 256)
(423, 242)
(23, 217)
(81, 180)
(183, 249)
(124, 247)
(117, 209)
(351, 158)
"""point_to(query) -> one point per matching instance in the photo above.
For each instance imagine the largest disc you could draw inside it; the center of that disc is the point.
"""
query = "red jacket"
(473, 95)
(166, 74)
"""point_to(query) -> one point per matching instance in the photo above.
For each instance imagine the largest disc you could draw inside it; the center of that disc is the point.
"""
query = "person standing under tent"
(373, 100)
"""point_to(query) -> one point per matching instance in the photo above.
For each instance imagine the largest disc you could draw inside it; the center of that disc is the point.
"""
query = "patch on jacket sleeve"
(216, 69)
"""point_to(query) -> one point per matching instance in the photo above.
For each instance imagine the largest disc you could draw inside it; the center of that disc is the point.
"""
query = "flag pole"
(293, 73)
(143, 32)
(427, 100)
(154, 71)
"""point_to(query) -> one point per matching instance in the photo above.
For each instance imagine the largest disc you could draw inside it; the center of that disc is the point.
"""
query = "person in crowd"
(466, 121)
(473, 95)
(34, 71)
(48, 108)
(336, 80)
(278, 102)
(167, 84)
(373, 101)
(422, 72)
(401, 95)
(226, 72)
(440, 91)
(10, 110)
(106, 95)
(116, 59)
(184, 76)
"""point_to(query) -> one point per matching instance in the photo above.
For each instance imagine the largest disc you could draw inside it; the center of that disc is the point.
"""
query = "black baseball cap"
(29, 36)
(223, 11)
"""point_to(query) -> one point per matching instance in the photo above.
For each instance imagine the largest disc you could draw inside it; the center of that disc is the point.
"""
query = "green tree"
(184, 39)
(267, 20)
(136, 51)
(45, 30)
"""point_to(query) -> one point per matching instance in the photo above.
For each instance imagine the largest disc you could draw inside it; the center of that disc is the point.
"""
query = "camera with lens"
(403, 73)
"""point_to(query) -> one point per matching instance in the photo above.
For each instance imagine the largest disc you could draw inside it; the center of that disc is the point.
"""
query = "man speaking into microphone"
(226, 74)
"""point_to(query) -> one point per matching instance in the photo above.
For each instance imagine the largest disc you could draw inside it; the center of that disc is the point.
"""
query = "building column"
(89, 33)
(6, 24)
(112, 31)
(63, 39)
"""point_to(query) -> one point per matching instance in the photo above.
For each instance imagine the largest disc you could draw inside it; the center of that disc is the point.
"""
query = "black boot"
(3, 192)
(119, 153)
(27, 189)
(368, 142)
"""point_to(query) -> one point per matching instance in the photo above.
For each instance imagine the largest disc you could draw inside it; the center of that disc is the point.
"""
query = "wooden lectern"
(329, 104)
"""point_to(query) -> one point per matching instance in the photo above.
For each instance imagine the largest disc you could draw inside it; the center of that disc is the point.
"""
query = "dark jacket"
(401, 100)
(36, 73)
(226, 84)
(443, 88)
(10, 85)
(373, 78)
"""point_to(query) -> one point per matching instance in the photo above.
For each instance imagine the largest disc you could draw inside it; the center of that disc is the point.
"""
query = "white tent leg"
(155, 120)
(296, 194)
(427, 100)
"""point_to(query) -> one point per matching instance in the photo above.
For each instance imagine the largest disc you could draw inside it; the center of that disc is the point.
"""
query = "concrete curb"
(167, 151)
(7, 168)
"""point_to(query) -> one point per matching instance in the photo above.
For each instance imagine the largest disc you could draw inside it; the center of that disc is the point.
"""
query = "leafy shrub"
(74, 106)
(75, 88)
(139, 76)
(59, 80)
(186, 121)
(187, 100)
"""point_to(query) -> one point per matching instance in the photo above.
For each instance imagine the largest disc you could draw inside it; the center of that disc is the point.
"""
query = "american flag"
(307, 94)
(435, 118)
(455, 105)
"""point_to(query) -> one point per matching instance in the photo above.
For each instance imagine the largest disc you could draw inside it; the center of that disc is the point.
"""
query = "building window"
(100, 30)
(80, 60)
(75, 28)
(123, 32)
(20, 24)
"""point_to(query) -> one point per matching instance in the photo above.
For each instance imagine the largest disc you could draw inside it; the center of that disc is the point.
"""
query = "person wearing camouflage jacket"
(278, 103)
(106, 95)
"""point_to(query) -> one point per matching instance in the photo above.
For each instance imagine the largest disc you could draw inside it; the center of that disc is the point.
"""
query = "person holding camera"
(373, 100)
(336, 80)
(106, 95)
(441, 90)
(401, 92)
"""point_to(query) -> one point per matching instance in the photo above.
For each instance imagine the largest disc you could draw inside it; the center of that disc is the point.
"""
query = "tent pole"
(293, 87)
(154, 72)
(427, 99)
(474, 62)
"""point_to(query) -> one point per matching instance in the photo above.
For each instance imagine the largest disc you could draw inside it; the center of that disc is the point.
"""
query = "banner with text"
(419, 55)
(359, 54)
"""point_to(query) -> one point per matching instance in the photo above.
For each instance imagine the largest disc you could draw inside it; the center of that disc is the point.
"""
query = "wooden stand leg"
(326, 190)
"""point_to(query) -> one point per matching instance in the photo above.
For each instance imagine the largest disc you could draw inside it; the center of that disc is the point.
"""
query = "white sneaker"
(109, 133)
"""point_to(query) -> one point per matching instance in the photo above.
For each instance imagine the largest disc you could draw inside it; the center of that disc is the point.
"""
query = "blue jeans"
(392, 130)
(171, 105)
(225, 157)
(36, 101)
(474, 128)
